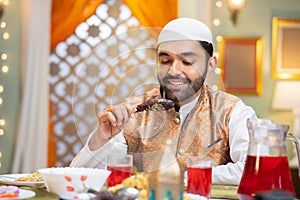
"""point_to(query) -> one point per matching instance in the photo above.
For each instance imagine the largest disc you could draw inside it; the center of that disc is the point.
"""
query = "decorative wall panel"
(108, 58)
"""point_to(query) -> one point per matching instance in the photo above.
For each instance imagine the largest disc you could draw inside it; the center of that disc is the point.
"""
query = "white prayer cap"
(185, 29)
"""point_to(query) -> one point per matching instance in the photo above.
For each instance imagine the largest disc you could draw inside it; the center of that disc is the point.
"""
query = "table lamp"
(287, 97)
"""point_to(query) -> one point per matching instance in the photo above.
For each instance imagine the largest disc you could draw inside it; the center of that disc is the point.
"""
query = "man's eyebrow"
(189, 53)
(163, 54)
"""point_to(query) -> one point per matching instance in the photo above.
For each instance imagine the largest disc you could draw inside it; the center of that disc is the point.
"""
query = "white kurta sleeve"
(230, 174)
(98, 158)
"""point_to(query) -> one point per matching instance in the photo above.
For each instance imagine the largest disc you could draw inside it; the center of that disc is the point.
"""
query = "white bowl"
(69, 182)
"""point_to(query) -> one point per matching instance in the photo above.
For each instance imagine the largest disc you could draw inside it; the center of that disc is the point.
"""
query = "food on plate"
(155, 105)
(138, 181)
(9, 191)
(35, 177)
(103, 195)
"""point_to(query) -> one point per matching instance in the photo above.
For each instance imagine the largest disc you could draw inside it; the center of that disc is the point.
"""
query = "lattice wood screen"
(109, 57)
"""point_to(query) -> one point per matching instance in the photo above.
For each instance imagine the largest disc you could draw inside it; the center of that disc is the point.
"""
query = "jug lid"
(266, 124)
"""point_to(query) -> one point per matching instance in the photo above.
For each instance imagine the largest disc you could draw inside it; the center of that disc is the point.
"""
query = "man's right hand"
(111, 121)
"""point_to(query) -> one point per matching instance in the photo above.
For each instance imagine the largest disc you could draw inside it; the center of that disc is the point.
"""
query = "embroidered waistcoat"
(146, 134)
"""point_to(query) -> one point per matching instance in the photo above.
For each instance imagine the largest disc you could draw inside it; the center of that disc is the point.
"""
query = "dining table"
(217, 192)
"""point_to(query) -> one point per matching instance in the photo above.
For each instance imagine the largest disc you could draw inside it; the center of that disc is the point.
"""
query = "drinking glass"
(120, 167)
(199, 175)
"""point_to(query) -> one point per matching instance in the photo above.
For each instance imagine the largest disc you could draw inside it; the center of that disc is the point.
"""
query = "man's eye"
(164, 61)
(187, 63)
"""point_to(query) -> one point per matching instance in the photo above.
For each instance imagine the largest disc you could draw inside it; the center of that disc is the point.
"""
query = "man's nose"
(175, 68)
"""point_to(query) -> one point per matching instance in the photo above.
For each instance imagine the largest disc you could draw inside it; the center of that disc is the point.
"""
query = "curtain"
(67, 15)
(51, 140)
(32, 132)
(153, 13)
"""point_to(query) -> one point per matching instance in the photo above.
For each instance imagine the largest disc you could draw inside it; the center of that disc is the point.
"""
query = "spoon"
(125, 193)
(128, 193)
(209, 147)
(214, 143)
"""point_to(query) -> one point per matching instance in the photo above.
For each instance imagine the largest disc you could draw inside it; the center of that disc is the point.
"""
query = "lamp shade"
(235, 5)
(286, 95)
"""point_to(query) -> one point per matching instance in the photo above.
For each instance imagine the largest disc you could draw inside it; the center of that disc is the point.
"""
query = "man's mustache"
(183, 79)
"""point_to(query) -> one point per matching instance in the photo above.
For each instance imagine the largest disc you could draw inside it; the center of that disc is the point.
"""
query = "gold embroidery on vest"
(147, 133)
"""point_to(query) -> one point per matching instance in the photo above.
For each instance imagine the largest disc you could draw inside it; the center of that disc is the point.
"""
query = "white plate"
(10, 179)
(24, 194)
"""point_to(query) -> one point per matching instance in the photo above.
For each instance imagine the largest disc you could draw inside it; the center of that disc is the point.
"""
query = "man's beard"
(181, 95)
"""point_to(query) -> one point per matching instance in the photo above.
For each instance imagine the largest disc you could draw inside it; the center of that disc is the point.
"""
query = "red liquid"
(118, 174)
(199, 181)
(271, 173)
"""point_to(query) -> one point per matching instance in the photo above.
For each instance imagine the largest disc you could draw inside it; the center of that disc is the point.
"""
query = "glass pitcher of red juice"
(266, 166)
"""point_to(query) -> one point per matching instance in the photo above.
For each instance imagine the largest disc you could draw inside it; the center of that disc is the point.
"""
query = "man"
(201, 116)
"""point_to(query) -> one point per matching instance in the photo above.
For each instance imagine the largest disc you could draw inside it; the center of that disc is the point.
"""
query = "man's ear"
(212, 64)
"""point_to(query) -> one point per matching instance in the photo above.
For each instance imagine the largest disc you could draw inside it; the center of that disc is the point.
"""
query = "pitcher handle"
(296, 140)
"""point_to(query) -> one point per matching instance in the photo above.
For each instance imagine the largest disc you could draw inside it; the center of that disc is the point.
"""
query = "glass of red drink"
(120, 167)
(199, 175)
